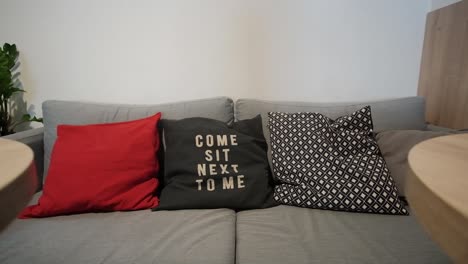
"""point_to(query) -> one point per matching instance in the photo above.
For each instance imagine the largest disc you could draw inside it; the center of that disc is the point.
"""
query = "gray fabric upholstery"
(185, 236)
(79, 113)
(34, 138)
(285, 234)
(395, 146)
(391, 114)
(401, 113)
(431, 127)
(281, 234)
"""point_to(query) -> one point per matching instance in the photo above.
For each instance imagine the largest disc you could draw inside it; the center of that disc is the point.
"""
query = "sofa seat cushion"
(286, 234)
(185, 236)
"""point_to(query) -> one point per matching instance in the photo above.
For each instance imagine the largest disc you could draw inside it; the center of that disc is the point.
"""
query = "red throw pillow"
(101, 167)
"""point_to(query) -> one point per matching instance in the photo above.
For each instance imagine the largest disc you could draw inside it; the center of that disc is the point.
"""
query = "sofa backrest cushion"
(395, 146)
(391, 114)
(81, 113)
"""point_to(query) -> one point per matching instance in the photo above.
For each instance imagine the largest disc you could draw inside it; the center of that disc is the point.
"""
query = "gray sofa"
(281, 234)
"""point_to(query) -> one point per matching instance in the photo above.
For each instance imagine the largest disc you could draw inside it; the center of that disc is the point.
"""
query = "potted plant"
(9, 85)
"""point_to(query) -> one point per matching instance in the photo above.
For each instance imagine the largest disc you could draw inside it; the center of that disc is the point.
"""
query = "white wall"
(150, 51)
(436, 4)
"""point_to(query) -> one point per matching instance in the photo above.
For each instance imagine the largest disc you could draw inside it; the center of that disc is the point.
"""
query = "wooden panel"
(444, 66)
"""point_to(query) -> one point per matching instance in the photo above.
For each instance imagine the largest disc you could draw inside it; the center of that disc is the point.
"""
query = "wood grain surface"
(18, 179)
(437, 191)
(443, 79)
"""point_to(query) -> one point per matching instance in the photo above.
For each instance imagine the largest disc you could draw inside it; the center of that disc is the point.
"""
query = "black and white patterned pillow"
(331, 164)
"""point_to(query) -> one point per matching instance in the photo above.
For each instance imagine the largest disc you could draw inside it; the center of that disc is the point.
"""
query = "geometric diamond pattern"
(331, 164)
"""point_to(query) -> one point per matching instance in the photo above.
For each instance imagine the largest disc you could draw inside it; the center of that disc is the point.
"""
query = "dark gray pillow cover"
(210, 164)
(331, 164)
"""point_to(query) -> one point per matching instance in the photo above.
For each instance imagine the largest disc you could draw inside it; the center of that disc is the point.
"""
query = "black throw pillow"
(331, 164)
(209, 164)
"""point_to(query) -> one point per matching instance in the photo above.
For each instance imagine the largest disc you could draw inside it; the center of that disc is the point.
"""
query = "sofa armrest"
(431, 127)
(34, 138)
(446, 129)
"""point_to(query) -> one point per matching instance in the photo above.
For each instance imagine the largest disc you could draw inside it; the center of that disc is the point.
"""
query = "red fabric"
(102, 167)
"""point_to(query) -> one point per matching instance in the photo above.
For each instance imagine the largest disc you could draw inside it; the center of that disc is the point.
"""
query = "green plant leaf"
(15, 90)
(10, 90)
(11, 50)
(26, 117)
(8, 86)
(11, 53)
(29, 118)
